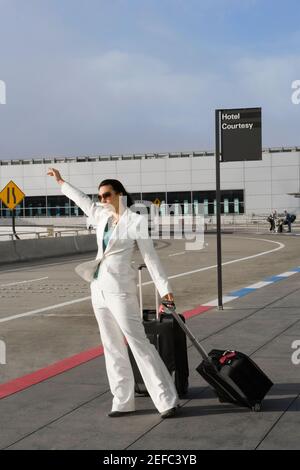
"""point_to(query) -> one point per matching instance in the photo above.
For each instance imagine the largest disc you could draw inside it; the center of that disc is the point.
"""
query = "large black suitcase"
(169, 340)
(234, 377)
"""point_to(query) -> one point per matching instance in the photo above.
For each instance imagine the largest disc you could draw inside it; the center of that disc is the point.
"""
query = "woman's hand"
(169, 297)
(56, 174)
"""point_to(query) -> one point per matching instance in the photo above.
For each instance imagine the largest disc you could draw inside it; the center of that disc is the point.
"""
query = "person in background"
(272, 220)
(288, 220)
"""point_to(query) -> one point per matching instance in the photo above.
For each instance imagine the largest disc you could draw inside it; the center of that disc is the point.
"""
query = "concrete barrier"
(31, 249)
(8, 252)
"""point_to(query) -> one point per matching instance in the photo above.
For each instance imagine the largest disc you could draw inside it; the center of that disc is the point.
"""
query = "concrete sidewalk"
(69, 411)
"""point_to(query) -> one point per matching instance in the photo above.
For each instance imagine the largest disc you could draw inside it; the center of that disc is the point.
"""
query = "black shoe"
(118, 414)
(169, 413)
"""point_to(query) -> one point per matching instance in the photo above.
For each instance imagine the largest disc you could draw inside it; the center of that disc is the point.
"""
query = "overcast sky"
(129, 76)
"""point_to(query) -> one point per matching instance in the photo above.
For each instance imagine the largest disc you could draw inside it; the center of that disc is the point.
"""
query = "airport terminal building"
(177, 179)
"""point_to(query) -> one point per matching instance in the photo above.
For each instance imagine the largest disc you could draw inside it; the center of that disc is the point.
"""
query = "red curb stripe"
(21, 383)
(196, 311)
(40, 375)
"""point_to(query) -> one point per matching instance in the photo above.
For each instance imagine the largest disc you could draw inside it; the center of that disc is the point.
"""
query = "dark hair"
(118, 188)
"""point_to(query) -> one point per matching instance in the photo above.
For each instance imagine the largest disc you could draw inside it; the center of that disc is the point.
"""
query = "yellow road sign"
(11, 195)
(156, 202)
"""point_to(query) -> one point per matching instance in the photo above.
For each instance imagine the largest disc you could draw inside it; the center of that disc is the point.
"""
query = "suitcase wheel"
(222, 400)
(256, 407)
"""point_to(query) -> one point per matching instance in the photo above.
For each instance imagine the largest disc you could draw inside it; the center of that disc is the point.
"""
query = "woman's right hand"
(56, 174)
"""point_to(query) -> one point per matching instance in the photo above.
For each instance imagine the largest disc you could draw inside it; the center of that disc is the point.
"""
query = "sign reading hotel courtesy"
(240, 132)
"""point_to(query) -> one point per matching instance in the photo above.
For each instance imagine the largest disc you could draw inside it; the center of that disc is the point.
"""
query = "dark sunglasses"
(104, 195)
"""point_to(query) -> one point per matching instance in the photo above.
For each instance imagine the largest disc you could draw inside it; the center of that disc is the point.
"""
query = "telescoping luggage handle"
(169, 307)
(140, 268)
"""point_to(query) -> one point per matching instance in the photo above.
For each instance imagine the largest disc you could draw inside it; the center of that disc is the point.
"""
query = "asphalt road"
(46, 313)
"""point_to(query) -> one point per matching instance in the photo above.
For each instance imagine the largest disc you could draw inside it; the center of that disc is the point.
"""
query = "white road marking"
(28, 268)
(45, 309)
(179, 253)
(286, 274)
(215, 302)
(23, 282)
(259, 285)
(187, 273)
(67, 315)
(52, 307)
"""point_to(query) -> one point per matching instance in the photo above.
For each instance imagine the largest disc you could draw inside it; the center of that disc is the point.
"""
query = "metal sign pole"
(238, 138)
(14, 224)
(218, 211)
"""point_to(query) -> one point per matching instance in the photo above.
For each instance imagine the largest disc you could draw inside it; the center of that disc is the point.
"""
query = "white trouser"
(118, 317)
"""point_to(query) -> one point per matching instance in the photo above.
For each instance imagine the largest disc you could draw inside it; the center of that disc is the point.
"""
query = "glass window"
(136, 196)
(229, 203)
(179, 197)
(35, 206)
(58, 206)
(156, 198)
(19, 210)
(226, 206)
(179, 202)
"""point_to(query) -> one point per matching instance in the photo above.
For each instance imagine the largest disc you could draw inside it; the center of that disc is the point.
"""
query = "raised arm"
(81, 199)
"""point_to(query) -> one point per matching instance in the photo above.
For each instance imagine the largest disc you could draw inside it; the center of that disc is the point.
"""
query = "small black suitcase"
(169, 340)
(235, 378)
(233, 375)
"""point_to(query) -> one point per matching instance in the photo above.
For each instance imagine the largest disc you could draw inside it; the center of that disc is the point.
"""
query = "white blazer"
(116, 273)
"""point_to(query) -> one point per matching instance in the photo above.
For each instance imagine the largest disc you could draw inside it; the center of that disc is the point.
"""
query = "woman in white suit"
(114, 298)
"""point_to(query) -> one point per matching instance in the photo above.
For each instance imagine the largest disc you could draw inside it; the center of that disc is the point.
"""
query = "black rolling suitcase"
(169, 340)
(233, 375)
